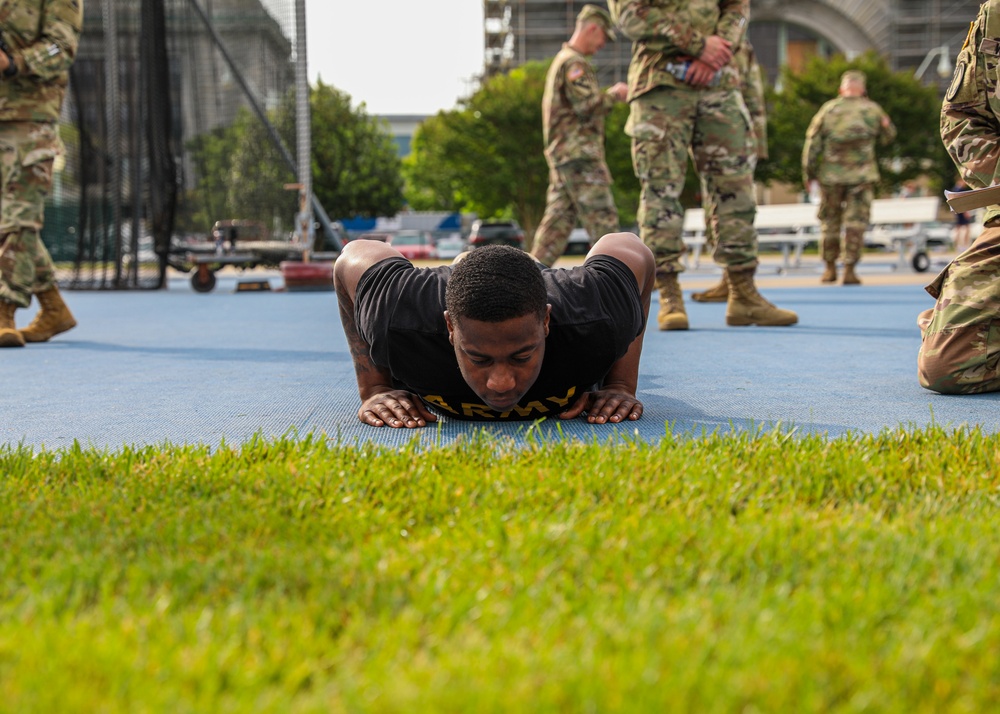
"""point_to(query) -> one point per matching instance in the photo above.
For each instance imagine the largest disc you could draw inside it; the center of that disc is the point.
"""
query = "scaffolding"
(519, 31)
(922, 26)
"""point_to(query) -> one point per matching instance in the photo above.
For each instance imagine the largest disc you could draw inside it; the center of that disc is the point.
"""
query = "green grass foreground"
(742, 573)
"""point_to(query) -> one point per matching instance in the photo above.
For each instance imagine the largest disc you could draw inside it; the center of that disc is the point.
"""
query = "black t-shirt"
(596, 314)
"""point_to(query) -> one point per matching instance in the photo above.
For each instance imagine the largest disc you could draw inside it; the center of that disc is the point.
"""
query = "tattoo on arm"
(360, 353)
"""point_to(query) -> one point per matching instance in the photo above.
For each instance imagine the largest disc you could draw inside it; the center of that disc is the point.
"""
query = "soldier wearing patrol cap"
(839, 153)
(40, 39)
(685, 99)
(573, 111)
(960, 351)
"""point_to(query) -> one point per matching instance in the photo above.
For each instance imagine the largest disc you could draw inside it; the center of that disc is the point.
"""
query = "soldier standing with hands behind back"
(573, 111)
(752, 89)
(685, 96)
(40, 42)
(840, 153)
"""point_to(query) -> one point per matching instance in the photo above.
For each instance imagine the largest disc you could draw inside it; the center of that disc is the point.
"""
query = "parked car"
(451, 246)
(414, 245)
(578, 243)
(496, 233)
(382, 237)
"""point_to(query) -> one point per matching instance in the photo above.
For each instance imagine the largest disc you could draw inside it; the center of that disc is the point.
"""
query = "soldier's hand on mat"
(699, 74)
(396, 408)
(611, 404)
(717, 52)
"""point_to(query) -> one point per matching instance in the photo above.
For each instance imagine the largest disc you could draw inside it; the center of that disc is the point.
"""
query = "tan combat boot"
(9, 336)
(672, 315)
(830, 274)
(716, 293)
(748, 307)
(850, 277)
(53, 317)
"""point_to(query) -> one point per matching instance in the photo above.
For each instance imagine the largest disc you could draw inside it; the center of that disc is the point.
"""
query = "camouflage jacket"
(752, 88)
(970, 114)
(42, 36)
(665, 32)
(573, 109)
(840, 141)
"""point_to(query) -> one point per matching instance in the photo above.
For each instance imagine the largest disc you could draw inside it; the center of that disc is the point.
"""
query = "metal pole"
(303, 130)
(112, 98)
(251, 97)
(944, 62)
(259, 111)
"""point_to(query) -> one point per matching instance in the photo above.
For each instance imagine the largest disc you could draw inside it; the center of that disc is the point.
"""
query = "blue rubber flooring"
(174, 366)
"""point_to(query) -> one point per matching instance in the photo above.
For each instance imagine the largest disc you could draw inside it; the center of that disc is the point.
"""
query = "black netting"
(155, 83)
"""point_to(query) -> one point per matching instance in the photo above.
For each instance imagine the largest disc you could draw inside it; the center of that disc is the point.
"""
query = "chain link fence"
(168, 101)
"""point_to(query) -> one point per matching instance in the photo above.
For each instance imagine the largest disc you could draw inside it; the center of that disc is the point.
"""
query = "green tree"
(434, 172)
(258, 173)
(913, 107)
(212, 157)
(618, 151)
(356, 168)
(487, 157)
(241, 173)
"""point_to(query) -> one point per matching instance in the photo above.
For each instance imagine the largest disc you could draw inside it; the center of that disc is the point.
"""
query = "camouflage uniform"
(752, 89)
(43, 37)
(839, 152)
(670, 118)
(573, 111)
(960, 353)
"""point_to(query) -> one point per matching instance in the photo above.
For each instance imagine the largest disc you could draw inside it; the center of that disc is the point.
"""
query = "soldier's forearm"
(733, 21)
(970, 135)
(639, 21)
(54, 50)
(371, 378)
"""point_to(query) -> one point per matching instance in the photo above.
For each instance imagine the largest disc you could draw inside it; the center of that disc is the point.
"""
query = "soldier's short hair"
(853, 76)
(496, 283)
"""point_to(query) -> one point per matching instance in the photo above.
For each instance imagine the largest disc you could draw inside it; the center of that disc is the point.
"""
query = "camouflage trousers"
(578, 189)
(708, 205)
(960, 352)
(848, 206)
(27, 154)
(667, 125)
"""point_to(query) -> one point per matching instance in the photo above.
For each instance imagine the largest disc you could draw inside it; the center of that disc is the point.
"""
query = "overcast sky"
(396, 56)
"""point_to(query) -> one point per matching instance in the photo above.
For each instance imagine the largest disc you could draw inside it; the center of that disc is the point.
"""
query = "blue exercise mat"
(186, 368)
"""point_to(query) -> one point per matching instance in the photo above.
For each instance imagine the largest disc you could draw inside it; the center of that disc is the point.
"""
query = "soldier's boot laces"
(850, 277)
(830, 274)
(53, 317)
(672, 315)
(746, 306)
(9, 336)
(716, 293)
